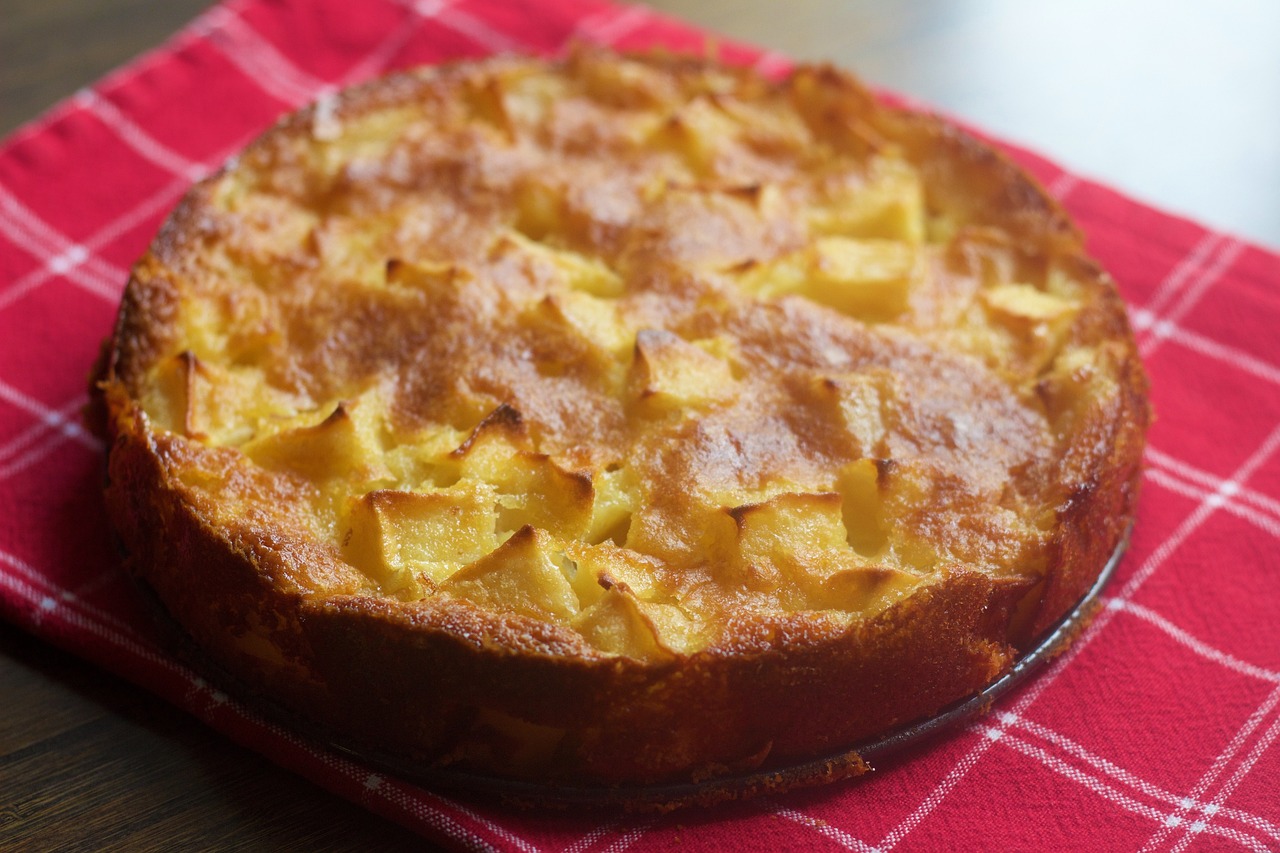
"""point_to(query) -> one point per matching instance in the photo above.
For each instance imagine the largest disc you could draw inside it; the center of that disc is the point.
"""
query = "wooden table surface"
(1176, 103)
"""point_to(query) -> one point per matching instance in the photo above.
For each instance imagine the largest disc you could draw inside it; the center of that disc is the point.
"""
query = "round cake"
(618, 420)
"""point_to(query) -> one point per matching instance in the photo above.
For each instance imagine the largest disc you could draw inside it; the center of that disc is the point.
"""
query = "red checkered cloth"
(1156, 730)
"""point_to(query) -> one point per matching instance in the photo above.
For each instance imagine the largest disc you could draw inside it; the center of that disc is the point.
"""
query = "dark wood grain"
(89, 762)
(50, 48)
(1176, 102)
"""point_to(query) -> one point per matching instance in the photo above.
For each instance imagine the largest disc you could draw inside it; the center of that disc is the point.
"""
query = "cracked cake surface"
(618, 419)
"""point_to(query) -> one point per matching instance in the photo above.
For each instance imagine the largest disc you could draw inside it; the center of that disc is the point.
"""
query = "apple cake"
(618, 420)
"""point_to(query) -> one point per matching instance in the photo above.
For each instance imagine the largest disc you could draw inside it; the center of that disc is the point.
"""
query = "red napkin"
(1158, 729)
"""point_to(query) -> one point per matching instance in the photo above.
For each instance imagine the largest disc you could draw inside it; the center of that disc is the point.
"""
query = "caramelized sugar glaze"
(619, 419)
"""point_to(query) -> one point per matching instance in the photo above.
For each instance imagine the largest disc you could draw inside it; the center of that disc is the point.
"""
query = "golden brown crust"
(619, 420)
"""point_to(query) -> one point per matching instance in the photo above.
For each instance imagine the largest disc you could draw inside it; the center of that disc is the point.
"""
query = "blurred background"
(1176, 103)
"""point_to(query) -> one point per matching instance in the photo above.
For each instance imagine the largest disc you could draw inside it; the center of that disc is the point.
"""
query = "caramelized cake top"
(639, 347)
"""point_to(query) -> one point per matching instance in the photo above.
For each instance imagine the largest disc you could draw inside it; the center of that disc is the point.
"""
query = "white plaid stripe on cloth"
(1155, 731)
